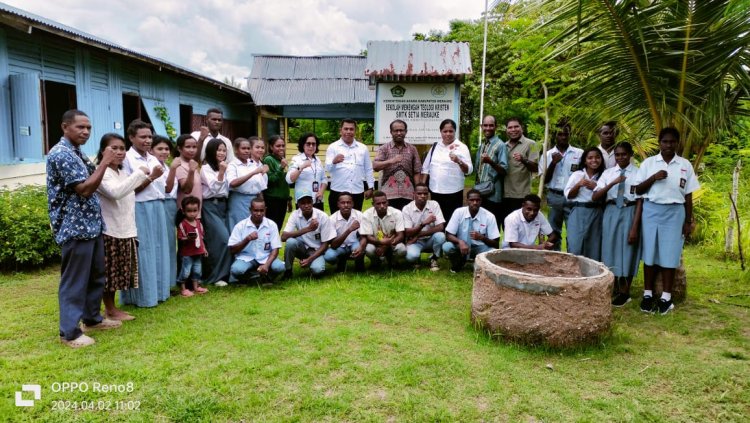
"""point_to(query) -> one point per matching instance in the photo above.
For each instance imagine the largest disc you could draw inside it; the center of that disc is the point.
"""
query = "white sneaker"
(434, 265)
(221, 284)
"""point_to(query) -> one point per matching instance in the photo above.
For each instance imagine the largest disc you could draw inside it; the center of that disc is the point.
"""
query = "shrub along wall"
(25, 235)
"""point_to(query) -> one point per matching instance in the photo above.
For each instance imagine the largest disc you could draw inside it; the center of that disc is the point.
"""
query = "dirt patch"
(552, 265)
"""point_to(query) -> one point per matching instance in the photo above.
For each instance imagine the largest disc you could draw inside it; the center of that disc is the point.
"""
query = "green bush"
(25, 234)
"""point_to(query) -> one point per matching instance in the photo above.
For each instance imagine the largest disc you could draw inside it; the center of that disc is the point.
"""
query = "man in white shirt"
(561, 161)
(348, 242)
(215, 121)
(607, 136)
(424, 225)
(348, 162)
(523, 227)
(472, 230)
(383, 226)
(255, 244)
(307, 234)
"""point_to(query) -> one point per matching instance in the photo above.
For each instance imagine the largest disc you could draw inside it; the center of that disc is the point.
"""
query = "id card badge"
(683, 182)
(574, 167)
(267, 246)
(632, 190)
(317, 236)
(315, 186)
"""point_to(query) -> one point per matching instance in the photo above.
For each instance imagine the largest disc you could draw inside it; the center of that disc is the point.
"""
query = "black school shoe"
(620, 300)
(647, 304)
(665, 306)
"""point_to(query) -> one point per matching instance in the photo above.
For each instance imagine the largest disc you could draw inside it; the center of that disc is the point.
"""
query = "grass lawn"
(377, 347)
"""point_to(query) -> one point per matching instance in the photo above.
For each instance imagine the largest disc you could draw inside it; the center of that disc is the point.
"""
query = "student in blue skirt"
(621, 222)
(666, 182)
(162, 149)
(585, 221)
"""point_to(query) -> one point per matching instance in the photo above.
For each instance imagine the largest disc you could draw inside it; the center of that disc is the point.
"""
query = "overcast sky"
(218, 37)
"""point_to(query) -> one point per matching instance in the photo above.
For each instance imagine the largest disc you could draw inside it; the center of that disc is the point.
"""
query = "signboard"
(422, 105)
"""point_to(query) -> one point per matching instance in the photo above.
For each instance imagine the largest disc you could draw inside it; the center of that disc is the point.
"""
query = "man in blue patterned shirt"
(76, 220)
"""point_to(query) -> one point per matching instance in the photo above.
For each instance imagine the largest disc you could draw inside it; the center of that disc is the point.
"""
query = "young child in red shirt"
(191, 246)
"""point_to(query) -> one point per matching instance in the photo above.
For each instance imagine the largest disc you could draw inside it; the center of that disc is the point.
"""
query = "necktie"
(620, 201)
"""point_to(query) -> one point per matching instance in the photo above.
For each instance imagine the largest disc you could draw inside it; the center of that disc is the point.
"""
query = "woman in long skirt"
(667, 182)
(162, 149)
(215, 189)
(621, 222)
(154, 270)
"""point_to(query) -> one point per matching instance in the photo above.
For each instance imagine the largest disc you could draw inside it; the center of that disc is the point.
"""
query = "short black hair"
(379, 193)
(406, 127)
(71, 114)
(348, 120)
(190, 200)
(257, 199)
(533, 198)
(214, 110)
(138, 124)
(625, 146)
(473, 191)
(669, 130)
(512, 119)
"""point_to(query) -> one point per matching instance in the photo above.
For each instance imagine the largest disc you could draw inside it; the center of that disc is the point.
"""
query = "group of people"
(219, 205)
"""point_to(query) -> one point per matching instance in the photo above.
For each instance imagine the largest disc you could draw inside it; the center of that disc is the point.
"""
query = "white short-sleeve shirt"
(584, 193)
(680, 181)
(133, 161)
(341, 225)
(413, 216)
(324, 233)
(390, 224)
(564, 168)
(446, 176)
(518, 229)
(210, 184)
(258, 249)
(462, 223)
(255, 185)
(613, 173)
(609, 157)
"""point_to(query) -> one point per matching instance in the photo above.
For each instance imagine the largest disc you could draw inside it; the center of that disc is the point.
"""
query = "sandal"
(201, 290)
(80, 342)
(186, 293)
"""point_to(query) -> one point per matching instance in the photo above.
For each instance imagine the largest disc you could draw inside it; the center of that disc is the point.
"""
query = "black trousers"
(276, 210)
(508, 206)
(81, 285)
(448, 202)
(398, 203)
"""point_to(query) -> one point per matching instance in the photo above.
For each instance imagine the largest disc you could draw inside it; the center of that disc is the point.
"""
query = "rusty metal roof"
(417, 59)
(16, 17)
(296, 80)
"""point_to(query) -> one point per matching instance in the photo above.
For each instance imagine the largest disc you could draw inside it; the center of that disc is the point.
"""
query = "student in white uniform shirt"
(255, 242)
(666, 182)
(307, 234)
(561, 161)
(348, 162)
(585, 220)
(247, 176)
(607, 137)
(215, 189)
(472, 230)
(154, 270)
(212, 130)
(348, 244)
(621, 222)
(524, 226)
(383, 226)
(424, 225)
(306, 172)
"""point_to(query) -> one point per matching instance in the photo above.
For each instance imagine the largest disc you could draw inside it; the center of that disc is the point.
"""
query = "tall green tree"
(652, 64)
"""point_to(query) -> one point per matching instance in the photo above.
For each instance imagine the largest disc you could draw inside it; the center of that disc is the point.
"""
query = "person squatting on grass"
(525, 226)
(192, 247)
(76, 222)
(666, 182)
(255, 243)
(348, 244)
(423, 228)
(383, 227)
(307, 234)
(117, 196)
(472, 230)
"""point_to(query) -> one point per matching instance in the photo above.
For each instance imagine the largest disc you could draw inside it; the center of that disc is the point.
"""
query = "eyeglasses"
(311, 143)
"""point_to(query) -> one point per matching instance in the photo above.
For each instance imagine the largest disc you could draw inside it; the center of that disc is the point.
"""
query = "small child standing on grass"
(192, 247)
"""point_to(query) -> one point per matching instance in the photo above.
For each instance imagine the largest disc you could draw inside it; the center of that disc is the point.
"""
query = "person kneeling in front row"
(524, 226)
(472, 230)
(307, 234)
(255, 243)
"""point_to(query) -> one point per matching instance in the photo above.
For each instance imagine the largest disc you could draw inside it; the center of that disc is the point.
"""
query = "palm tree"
(651, 64)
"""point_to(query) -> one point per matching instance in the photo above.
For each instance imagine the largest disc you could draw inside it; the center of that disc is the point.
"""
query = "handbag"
(485, 188)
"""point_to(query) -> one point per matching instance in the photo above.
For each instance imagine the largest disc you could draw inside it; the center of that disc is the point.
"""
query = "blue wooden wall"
(100, 80)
